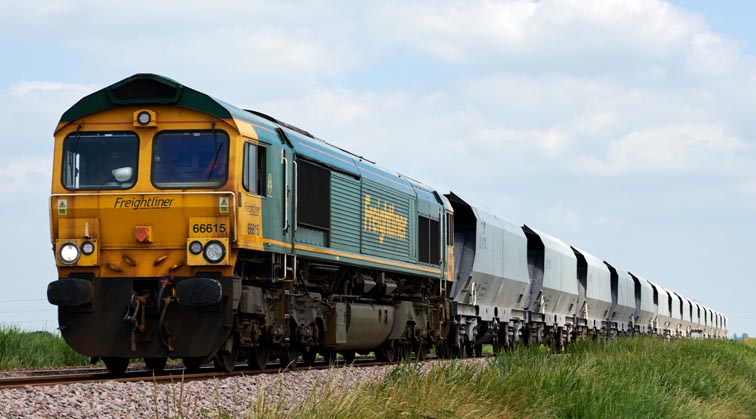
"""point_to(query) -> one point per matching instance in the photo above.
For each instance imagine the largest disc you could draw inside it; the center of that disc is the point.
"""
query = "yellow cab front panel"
(143, 227)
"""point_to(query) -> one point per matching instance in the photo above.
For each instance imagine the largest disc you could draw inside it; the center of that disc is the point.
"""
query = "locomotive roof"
(153, 89)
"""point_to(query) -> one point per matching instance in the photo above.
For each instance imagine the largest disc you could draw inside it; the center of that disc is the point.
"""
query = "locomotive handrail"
(286, 190)
(296, 194)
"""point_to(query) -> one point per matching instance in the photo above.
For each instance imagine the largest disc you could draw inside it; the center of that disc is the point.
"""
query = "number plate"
(209, 227)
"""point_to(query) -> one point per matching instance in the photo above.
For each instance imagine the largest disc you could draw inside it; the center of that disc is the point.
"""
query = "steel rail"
(170, 375)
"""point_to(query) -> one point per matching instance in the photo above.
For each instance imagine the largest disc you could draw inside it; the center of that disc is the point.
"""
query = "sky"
(625, 128)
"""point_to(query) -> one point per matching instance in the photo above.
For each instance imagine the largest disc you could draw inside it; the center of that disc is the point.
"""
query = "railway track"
(169, 375)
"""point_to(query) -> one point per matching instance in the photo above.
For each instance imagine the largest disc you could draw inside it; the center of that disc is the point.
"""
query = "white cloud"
(564, 218)
(748, 187)
(713, 56)
(549, 142)
(436, 29)
(24, 174)
(688, 148)
(558, 34)
(30, 110)
(26, 88)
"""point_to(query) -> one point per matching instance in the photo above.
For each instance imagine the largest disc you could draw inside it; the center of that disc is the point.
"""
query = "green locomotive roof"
(149, 89)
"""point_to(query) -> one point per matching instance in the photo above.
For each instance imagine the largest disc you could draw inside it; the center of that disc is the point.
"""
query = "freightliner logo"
(135, 203)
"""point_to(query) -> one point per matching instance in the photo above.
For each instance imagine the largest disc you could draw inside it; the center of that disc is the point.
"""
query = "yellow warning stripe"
(337, 253)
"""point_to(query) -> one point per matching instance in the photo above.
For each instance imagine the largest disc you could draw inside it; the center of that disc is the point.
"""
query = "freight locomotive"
(185, 227)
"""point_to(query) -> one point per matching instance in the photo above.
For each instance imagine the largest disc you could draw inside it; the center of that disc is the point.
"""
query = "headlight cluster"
(87, 248)
(195, 247)
(213, 251)
(69, 253)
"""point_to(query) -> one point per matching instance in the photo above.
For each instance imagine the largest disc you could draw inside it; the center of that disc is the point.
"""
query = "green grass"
(19, 349)
(750, 342)
(641, 378)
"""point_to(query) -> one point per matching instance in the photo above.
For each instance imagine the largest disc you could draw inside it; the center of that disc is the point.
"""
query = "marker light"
(214, 251)
(87, 248)
(195, 247)
(69, 253)
(144, 118)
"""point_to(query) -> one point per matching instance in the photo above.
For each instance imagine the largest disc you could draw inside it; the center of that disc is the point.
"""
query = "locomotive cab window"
(253, 178)
(100, 160)
(190, 159)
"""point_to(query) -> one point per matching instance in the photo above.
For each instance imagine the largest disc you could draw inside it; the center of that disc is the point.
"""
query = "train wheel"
(226, 360)
(348, 357)
(404, 352)
(386, 352)
(258, 358)
(468, 349)
(496, 346)
(155, 364)
(192, 363)
(504, 342)
(329, 357)
(420, 352)
(116, 365)
(478, 350)
(289, 356)
(442, 350)
(537, 337)
(309, 356)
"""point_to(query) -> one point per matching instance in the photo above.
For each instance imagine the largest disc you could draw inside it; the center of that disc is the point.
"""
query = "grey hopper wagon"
(491, 275)
(552, 266)
(594, 293)
(663, 305)
(645, 305)
(622, 314)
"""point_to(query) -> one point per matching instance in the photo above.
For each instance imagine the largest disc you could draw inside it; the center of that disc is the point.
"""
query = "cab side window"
(253, 177)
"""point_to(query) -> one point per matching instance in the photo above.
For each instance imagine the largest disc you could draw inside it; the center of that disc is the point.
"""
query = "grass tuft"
(631, 378)
(20, 349)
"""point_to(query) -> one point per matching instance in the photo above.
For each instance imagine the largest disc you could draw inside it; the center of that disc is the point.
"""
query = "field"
(639, 378)
(642, 378)
(19, 349)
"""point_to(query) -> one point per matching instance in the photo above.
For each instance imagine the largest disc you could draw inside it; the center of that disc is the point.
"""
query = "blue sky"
(623, 128)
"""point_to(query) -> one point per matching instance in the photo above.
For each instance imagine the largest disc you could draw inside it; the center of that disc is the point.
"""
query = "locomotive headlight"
(144, 118)
(69, 253)
(195, 247)
(214, 251)
(87, 248)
